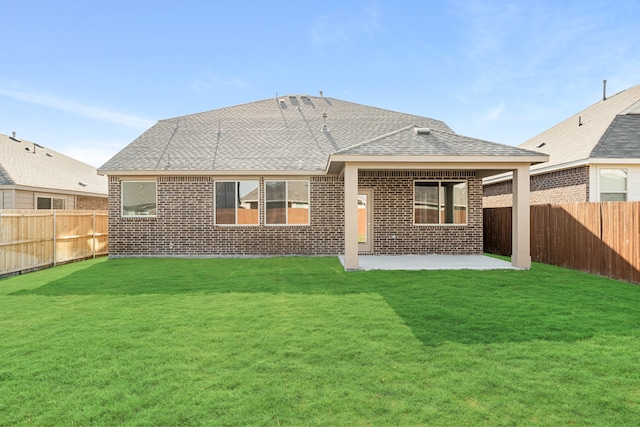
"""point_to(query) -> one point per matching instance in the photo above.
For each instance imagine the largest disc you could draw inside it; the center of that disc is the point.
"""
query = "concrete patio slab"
(431, 262)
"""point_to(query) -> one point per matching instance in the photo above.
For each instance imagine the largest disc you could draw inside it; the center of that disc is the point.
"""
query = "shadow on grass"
(469, 307)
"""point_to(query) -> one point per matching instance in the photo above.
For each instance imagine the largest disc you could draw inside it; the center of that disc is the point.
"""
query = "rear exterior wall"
(563, 186)
(184, 225)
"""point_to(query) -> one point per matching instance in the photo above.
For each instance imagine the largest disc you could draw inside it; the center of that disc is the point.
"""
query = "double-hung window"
(287, 202)
(440, 202)
(236, 202)
(613, 185)
(139, 198)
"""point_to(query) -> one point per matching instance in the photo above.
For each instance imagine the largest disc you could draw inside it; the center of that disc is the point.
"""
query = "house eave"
(265, 172)
(495, 179)
(486, 163)
(19, 187)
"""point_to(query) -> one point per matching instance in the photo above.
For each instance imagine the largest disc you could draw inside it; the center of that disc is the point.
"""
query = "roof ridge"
(360, 144)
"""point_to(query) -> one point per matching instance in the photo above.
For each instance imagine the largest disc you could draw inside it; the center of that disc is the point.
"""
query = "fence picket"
(31, 239)
(597, 237)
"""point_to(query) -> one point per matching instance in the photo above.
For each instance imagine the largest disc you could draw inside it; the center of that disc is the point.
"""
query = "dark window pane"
(43, 203)
(225, 202)
(276, 202)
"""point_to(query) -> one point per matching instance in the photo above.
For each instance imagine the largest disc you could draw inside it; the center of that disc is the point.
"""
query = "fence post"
(93, 231)
(55, 233)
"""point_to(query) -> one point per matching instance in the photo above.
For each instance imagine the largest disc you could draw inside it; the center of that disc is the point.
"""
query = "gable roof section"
(46, 169)
(574, 139)
(409, 142)
(620, 140)
(295, 133)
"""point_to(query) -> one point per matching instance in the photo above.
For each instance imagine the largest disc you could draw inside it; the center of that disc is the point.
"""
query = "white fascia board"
(52, 190)
(435, 162)
(635, 161)
(538, 171)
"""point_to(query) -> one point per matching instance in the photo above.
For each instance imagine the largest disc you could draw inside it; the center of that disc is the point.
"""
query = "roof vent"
(423, 131)
(14, 137)
(541, 145)
(294, 100)
(49, 155)
(83, 184)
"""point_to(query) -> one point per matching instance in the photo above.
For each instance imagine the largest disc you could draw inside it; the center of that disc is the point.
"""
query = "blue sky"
(87, 77)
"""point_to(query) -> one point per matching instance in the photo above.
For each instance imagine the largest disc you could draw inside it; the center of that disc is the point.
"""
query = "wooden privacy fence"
(31, 239)
(598, 237)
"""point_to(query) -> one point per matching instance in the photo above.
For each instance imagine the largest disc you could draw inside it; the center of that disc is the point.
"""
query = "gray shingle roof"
(436, 143)
(620, 140)
(575, 138)
(46, 169)
(289, 134)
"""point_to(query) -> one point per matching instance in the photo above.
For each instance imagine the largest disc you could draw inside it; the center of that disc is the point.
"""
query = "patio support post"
(351, 217)
(521, 223)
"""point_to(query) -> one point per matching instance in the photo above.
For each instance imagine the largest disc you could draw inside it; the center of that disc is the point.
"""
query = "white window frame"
(129, 181)
(626, 183)
(236, 182)
(287, 181)
(439, 182)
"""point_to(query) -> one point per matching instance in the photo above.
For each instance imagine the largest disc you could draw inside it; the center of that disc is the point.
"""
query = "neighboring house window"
(139, 198)
(50, 203)
(613, 185)
(440, 202)
(236, 202)
(287, 202)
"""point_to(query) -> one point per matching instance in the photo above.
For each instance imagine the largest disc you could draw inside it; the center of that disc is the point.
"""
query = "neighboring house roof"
(575, 139)
(26, 164)
(620, 140)
(291, 133)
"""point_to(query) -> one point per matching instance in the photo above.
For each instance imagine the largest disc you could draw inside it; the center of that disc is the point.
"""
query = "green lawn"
(297, 341)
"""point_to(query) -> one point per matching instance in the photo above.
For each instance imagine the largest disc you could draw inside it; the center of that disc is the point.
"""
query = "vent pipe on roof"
(320, 94)
(604, 90)
(14, 137)
(324, 125)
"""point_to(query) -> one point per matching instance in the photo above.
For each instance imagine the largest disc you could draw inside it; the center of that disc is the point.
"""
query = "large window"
(236, 202)
(287, 202)
(440, 202)
(613, 185)
(139, 198)
(50, 203)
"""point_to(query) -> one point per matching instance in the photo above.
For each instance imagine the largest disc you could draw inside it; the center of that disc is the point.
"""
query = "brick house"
(304, 175)
(36, 177)
(594, 156)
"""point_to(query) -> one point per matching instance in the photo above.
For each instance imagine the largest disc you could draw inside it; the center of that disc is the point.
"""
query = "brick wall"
(564, 186)
(87, 203)
(184, 225)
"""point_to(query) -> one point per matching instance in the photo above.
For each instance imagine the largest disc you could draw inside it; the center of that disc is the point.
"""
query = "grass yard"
(297, 341)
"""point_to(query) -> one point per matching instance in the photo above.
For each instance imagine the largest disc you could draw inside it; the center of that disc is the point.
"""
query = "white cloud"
(494, 113)
(341, 31)
(214, 82)
(93, 156)
(79, 109)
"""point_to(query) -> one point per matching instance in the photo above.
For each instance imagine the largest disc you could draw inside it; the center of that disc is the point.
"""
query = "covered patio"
(431, 262)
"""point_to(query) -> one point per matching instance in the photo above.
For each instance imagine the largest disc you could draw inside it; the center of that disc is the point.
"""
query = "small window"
(287, 202)
(50, 203)
(440, 202)
(236, 202)
(613, 185)
(139, 198)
